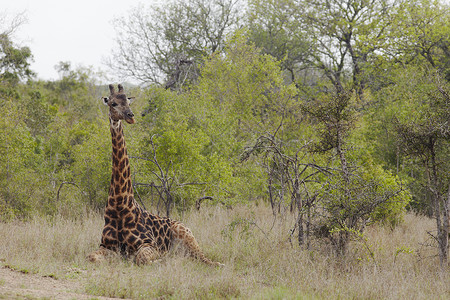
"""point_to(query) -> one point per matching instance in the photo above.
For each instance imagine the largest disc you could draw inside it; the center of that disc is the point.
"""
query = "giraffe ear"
(105, 100)
(130, 100)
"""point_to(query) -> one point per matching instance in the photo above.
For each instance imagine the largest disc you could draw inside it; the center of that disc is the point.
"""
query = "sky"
(78, 31)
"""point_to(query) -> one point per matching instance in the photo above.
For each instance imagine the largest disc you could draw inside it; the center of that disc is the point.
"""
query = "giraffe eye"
(114, 104)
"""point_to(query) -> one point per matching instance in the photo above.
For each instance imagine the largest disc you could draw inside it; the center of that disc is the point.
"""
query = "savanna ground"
(45, 258)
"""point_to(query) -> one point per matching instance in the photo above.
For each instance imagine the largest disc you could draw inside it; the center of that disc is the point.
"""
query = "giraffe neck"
(121, 190)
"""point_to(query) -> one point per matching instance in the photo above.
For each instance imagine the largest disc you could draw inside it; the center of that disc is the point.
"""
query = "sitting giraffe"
(128, 227)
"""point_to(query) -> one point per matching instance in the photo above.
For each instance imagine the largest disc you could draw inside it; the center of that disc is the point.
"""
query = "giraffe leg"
(108, 246)
(100, 255)
(146, 255)
(187, 239)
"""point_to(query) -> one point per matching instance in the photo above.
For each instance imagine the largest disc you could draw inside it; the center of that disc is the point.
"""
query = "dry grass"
(260, 262)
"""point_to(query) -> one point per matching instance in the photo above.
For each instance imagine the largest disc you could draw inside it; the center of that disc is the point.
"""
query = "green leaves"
(14, 61)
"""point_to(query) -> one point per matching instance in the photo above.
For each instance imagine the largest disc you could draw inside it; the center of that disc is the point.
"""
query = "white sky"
(79, 31)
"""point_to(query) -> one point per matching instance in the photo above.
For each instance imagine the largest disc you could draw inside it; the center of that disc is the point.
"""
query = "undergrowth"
(260, 262)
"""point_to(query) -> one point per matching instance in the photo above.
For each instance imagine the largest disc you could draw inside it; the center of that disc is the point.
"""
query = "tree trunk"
(439, 207)
(297, 199)
(446, 228)
(271, 198)
(301, 237)
(308, 225)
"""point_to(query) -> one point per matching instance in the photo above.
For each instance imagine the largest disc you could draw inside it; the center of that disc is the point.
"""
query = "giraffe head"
(119, 105)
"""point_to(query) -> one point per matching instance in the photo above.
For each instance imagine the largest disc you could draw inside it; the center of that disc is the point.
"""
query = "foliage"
(45, 143)
(276, 28)
(14, 61)
(358, 192)
(175, 144)
(18, 178)
(92, 160)
(347, 37)
(423, 31)
(427, 135)
(201, 134)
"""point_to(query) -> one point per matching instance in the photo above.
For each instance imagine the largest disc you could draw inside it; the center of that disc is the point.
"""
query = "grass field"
(260, 262)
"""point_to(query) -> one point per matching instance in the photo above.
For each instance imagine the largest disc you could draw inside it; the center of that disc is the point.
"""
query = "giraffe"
(129, 229)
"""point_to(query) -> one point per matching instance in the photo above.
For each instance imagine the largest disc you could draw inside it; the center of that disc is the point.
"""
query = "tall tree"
(275, 27)
(14, 59)
(347, 35)
(422, 35)
(423, 131)
(356, 194)
(165, 43)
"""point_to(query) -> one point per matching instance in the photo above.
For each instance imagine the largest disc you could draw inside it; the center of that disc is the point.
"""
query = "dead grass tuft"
(259, 260)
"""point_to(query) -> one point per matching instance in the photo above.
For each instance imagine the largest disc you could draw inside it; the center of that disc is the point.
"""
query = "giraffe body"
(129, 229)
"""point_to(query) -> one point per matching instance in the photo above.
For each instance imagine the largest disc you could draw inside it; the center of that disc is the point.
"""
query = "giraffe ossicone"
(129, 229)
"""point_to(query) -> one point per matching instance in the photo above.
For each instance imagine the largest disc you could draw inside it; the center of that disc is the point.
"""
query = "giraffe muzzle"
(129, 117)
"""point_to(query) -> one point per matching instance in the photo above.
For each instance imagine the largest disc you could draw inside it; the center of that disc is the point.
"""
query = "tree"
(358, 192)
(14, 60)
(289, 173)
(244, 94)
(19, 180)
(91, 153)
(173, 163)
(422, 35)
(424, 132)
(167, 43)
(18, 158)
(275, 27)
(347, 37)
(200, 134)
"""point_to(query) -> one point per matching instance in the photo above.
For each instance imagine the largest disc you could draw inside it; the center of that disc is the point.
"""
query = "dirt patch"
(18, 285)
